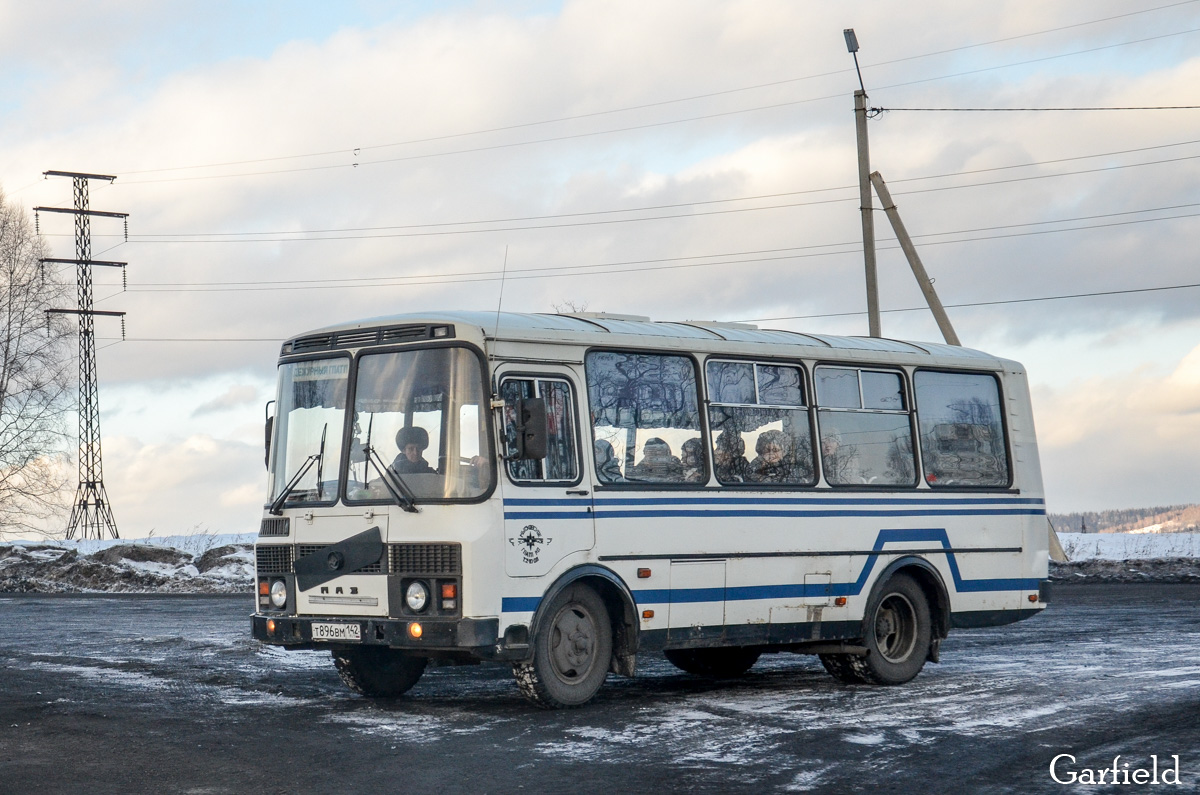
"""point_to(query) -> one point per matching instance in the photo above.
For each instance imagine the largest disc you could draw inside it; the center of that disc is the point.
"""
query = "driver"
(412, 442)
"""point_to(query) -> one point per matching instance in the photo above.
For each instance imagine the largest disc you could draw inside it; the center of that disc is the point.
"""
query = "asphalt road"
(160, 694)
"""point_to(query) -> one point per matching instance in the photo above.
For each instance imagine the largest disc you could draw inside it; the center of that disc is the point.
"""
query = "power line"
(1035, 299)
(1029, 110)
(382, 281)
(708, 95)
(438, 229)
(568, 271)
(611, 131)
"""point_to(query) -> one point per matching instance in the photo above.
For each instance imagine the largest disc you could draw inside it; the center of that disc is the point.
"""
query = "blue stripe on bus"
(733, 500)
(767, 514)
(527, 604)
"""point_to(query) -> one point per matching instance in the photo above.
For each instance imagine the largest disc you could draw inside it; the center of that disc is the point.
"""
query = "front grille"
(436, 559)
(275, 526)
(304, 550)
(273, 559)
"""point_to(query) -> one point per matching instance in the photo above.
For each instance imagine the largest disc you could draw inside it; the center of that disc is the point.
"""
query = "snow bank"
(1130, 546)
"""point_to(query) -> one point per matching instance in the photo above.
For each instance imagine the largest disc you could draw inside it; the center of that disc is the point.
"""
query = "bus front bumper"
(477, 635)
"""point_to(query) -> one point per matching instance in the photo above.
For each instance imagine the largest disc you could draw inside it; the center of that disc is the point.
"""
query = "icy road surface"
(169, 694)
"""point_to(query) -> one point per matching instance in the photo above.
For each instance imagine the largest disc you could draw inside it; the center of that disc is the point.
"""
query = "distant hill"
(1168, 519)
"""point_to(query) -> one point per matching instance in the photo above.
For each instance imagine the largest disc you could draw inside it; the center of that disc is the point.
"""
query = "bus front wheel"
(377, 671)
(572, 651)
(897, 633)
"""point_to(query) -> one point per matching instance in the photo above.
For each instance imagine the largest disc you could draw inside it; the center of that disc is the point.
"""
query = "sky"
(288, 165)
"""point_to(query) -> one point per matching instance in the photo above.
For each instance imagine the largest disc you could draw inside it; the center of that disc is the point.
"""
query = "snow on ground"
(205, 563)
(1130, 546)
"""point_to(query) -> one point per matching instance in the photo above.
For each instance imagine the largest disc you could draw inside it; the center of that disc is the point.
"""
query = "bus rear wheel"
(898, 633)
(715, 663)
(572, 651)
(377, 671)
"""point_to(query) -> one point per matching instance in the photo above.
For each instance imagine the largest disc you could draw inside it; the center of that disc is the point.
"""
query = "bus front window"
(422, 413)
(308, 431)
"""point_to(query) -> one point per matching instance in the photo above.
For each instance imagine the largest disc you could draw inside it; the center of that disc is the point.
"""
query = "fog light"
(279, 594)
(417, 596)
(415, 630)
(270, 626)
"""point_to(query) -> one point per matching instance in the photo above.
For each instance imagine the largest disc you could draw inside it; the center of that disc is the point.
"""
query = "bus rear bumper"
(478, 636)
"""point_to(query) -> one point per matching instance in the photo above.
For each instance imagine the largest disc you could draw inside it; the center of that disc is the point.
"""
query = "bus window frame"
(347, 422)
(701, 403)
(1008, 446)
(556, 375)
(485, 383)
(810, 408)
(911, 410)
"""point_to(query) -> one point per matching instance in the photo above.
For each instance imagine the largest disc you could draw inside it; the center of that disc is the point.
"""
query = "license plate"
(322, 631)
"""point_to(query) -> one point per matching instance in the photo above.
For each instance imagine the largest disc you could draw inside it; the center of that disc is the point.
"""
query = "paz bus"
(564, 492)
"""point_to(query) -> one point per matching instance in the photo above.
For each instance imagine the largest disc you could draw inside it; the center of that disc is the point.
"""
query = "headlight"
(279, 594)
(416, 596)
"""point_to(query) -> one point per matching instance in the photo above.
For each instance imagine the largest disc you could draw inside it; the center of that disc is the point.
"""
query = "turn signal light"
(840, 601)
(449, 590)
(414, 629)
(647, 614)
(264, 588)
(643, 574)
(1033, 597)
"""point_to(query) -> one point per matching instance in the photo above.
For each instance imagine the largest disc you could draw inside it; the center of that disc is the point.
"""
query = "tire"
(572, 651)
(838, 666)
(897, 633)
(714, 663)
(377, 671)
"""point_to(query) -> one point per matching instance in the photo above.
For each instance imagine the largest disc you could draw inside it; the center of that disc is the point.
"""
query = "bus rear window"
(962, 436)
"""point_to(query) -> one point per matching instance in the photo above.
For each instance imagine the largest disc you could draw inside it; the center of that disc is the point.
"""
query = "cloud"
(417, 142)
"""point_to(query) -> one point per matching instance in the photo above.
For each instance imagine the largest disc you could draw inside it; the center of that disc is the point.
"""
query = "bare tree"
(35, 378)
(568, 306)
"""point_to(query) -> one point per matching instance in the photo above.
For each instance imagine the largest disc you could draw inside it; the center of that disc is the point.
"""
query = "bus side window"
(865, 427)
(645, 418)
(758, 409)
(561, 463)
(962, 436)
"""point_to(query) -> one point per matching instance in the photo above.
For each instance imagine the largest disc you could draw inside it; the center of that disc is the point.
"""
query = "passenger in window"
(774, 463)
(692, 456)
(607, 466)
(729, 459)
(657, 464)
(412, 443)
(840, 461)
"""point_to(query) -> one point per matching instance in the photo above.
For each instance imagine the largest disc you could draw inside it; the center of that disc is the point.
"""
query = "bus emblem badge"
(530, 541)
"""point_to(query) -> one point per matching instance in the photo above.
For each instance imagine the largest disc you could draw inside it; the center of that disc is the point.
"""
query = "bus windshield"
(422, 416)
(308, 433)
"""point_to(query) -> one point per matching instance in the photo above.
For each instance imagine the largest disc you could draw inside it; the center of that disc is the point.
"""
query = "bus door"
(547, 505)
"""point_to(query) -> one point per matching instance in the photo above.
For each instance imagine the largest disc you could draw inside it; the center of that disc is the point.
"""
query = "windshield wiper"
(276, 507)
(400, 491)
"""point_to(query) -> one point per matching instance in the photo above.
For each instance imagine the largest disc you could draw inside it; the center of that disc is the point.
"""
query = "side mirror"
(532, 430)
(268, 429)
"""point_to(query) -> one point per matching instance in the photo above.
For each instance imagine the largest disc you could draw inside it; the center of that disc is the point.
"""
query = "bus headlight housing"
(279, 594)
(416, 596)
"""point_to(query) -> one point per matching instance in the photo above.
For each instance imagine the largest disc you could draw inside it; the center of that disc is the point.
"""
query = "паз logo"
(530, 541)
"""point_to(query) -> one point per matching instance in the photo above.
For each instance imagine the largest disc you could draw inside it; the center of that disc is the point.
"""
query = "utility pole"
(866, 204)
(914, 261)
(91, 514)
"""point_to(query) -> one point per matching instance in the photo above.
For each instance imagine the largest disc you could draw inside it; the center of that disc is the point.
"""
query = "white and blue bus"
(564, 492)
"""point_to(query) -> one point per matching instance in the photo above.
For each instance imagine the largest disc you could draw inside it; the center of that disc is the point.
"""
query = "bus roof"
(594, 328)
